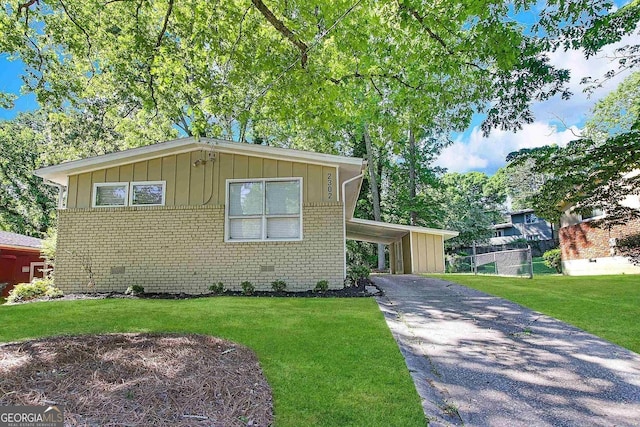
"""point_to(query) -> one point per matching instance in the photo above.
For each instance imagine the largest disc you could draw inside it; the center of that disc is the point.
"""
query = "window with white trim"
(264, 209)
(110, 194)
(530, 218)
(147, 193)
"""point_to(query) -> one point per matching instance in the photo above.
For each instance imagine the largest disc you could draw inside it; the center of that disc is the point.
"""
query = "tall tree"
(521, 183)
(26, 203)
(599, 170)
(34, 140)
(319, 72)
(412, 181)
(471, 206)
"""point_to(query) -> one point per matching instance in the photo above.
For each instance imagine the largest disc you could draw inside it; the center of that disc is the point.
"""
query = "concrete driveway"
(479, 360)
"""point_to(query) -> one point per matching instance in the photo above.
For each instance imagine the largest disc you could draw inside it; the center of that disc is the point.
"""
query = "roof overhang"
(503, 225)
(58, 174)
(383, 232)
(20, 248)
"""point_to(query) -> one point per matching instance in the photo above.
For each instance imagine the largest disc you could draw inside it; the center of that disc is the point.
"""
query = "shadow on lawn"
(482, 360)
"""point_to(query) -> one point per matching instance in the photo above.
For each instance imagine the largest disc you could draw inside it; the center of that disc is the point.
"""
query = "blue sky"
(10, 72)
(556, 121)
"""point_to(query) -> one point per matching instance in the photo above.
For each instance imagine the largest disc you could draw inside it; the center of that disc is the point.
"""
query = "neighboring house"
(589, 250)
(184, 214)
(20, 260)
(522, 224)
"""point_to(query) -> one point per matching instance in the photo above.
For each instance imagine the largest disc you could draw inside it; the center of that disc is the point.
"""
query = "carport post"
(474, 265)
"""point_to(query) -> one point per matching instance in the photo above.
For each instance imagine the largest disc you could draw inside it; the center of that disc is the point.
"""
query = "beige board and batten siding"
(406, 254)
(427, 253)
(192, 179)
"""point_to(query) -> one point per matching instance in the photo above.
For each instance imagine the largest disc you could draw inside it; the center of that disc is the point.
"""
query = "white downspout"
(344, 218)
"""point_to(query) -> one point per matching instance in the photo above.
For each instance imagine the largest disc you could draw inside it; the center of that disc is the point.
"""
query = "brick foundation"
(182, 249)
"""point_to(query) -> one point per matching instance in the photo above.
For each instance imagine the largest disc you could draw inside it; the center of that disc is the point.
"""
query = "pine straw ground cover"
(329, 361)
(138, 379)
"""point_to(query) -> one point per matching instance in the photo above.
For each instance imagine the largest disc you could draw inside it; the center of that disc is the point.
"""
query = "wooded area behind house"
(385, 81)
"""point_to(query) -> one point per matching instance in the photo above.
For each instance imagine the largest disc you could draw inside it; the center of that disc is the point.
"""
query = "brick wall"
(182, 249)
(583, 241)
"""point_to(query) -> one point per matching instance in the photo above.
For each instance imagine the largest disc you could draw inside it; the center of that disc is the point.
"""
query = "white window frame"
(530, 215)
(164, 191)
(264, 215)
(109, 184)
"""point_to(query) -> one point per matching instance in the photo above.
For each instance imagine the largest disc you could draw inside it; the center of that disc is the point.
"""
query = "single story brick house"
(180, 215)
(20, 260)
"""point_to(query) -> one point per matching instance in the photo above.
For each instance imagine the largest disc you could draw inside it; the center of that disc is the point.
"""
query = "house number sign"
(329, 186)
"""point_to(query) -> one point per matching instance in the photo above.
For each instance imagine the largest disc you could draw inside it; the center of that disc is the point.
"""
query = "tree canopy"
(228, 67)
(387, 80)
(597, 171)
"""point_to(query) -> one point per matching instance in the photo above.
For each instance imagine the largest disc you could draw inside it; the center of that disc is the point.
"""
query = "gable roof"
(19, 241)
(58, 173)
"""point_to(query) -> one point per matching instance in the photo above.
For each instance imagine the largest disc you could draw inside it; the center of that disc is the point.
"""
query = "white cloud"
(574, 110)
(488, 154)
(471, 151)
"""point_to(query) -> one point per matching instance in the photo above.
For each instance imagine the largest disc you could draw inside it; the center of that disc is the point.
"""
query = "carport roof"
(383, 232)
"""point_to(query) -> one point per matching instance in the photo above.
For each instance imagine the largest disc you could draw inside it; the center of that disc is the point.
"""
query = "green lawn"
(540, 268)
(330, 362)
(607, 306)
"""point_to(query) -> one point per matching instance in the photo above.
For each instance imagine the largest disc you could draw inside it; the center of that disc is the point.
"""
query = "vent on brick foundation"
(117, 270)
(265, 268)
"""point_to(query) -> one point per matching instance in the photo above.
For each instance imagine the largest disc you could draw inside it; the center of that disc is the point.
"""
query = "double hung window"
(264, 209)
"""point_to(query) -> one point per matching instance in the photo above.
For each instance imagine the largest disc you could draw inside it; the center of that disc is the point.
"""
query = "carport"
(411, 249)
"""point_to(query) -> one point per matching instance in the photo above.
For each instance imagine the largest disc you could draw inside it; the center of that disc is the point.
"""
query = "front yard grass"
(606, 306)
(330, 362)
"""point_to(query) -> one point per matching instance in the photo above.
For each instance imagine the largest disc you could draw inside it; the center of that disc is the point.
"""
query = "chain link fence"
(512, 262)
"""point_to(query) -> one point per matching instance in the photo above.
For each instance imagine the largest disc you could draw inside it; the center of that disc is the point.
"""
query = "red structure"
(20, 260)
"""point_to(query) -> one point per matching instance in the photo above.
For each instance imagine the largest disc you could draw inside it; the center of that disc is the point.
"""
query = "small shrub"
(553, 259)
(629, 246)
(321, 286)
(247, 288)
(134, 290)
(53, 292)
(217, 288)
(36, 289)
(358, 274)
(278, 285)
(458, 264)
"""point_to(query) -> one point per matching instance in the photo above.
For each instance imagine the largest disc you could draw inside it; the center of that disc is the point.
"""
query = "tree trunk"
(375, 193)
(413, 215)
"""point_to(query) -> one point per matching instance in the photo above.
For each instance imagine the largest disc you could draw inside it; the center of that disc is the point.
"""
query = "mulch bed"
(138, 380)
(347, 292)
